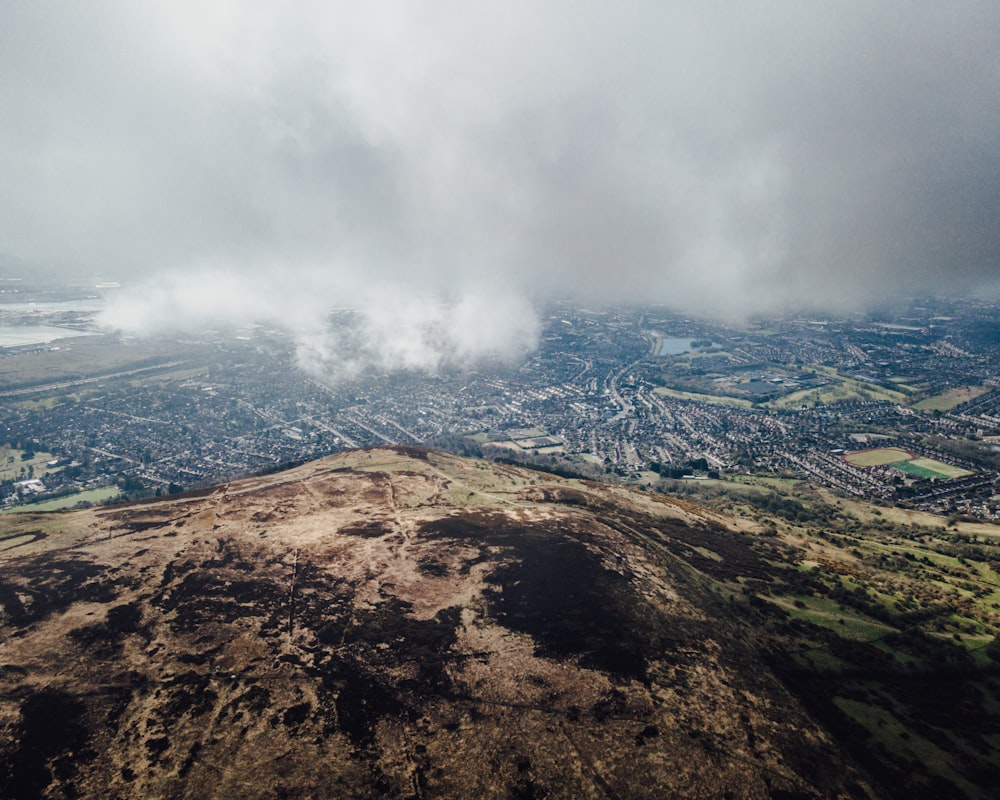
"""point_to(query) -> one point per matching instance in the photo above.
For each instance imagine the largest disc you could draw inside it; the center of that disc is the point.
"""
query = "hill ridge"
(397, 622)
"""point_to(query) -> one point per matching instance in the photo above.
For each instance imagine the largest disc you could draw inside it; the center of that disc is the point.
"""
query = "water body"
(83, 304)
(19, 335)
(675, 347)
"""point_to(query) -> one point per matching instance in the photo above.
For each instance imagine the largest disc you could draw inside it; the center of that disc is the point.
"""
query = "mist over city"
(230, 162)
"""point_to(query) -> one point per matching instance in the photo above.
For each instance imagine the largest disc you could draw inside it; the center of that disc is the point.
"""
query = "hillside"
(407, 623)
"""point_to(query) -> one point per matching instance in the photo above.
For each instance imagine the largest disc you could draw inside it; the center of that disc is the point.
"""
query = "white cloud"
(724, 160)
(338, 331)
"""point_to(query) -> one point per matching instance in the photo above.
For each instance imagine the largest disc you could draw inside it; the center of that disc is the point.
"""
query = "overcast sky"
(294, 156)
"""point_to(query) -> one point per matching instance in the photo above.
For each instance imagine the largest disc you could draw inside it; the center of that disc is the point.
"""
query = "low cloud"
(396, 333)
(339, 332)
(245, 161)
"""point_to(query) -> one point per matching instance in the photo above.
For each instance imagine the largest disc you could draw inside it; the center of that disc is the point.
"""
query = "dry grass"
(877, 457)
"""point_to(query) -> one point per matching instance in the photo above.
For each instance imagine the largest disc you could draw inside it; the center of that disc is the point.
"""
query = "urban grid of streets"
(615, 390)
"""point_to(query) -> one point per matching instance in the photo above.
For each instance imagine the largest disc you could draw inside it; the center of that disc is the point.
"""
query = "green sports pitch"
(904, 461)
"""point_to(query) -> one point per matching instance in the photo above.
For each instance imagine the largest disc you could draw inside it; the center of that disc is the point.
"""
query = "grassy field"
(700, 354)
(930, 468)
(803, 397)
(68, 501)
(11, 463)
(950, 399)
(884, 727)
(173, 375)
(882, 600)
(877, 457)
(839, 389)
(910, 385)
(82, 358)
(828, 614)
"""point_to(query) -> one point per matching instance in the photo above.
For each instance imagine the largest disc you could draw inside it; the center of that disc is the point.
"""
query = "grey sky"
(297, 155)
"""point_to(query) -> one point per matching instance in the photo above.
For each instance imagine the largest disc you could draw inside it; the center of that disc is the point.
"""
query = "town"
(900, 407)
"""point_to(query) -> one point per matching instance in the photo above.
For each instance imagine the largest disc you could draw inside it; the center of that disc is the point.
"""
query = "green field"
(910, 468)
(930, 468)
(70, 500)
(948, 400)
(828, 614)
(839, 389)
(12, 461)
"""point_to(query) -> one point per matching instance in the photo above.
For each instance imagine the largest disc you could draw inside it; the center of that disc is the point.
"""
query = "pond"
(675, 347)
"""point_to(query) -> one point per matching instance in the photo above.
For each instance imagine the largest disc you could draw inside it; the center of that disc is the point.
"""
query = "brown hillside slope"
(393, 623)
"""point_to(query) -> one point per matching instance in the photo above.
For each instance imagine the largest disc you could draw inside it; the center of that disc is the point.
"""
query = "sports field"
(905, 461)
(930, 468)
(69, 500)
(878, 456)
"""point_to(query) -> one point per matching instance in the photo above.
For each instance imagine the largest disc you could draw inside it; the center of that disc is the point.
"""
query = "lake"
(674, 347)
(18, 335)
